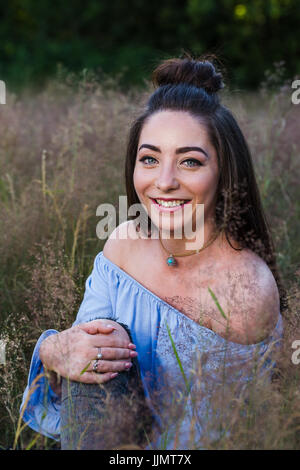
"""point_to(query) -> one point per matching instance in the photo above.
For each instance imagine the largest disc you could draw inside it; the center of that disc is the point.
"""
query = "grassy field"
(61, 155)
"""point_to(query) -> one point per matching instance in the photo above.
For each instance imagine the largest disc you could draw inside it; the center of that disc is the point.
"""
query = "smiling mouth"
(170, 203)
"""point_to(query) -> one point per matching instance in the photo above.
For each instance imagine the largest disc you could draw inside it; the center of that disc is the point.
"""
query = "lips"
(169, 200)
(171, 208)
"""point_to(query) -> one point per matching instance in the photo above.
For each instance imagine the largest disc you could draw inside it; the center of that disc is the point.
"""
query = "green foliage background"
(129, 36)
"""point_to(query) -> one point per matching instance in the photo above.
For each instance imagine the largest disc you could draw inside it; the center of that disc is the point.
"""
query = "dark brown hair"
(192, 85)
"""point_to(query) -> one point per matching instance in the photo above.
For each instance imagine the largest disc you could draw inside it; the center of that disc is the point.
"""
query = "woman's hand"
(72, 352)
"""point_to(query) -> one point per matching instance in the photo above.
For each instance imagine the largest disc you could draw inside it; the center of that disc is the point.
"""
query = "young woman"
(150, 298)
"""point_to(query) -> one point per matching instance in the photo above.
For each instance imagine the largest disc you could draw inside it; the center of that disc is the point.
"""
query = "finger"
(97, 326)
(110, 341)
(94, 378)
(110, 366)
(112, 354)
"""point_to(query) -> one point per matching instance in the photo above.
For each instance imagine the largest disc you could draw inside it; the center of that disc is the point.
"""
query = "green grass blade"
(177, 358)
(32, 443)
(86, 368)
(217, 303)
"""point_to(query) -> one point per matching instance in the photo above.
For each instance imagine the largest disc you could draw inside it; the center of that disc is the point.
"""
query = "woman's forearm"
(46, 352)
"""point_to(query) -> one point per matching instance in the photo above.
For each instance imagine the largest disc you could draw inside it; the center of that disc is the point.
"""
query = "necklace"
(171, 261)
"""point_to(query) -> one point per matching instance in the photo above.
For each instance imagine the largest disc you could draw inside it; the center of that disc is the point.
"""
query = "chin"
(171, 230)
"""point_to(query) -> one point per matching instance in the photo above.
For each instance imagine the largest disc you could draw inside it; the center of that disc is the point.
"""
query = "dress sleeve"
(96, 302)
(41, 405)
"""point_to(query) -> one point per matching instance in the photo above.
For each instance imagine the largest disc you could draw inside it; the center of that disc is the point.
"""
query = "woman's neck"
(186, 245)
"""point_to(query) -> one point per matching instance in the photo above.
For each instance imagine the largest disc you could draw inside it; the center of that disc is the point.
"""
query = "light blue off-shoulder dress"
(182, 363)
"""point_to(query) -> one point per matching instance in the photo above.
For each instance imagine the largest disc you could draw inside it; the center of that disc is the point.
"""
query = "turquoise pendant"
(171, 261)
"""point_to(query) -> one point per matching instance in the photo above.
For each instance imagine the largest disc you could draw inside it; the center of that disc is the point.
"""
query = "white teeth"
(170, 203)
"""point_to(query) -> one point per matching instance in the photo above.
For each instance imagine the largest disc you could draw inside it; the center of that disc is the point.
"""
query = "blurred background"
(127, 37)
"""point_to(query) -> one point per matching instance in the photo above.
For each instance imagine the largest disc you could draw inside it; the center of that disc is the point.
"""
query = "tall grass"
(61, 155)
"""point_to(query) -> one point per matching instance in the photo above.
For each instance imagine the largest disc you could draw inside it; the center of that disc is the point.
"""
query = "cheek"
(140, 180)
(139, 184)
(136, 181)
(205, 186)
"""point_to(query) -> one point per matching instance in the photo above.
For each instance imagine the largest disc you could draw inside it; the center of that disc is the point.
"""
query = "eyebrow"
(178, 151)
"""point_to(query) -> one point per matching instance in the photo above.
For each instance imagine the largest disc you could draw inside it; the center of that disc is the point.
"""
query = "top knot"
(199, 73)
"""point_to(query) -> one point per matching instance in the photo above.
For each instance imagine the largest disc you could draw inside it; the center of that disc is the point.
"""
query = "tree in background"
(131, 35)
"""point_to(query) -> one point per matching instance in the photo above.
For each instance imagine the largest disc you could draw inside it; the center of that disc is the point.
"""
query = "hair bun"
(200, 73)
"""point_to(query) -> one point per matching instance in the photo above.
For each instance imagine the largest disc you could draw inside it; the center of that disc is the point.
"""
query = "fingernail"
(113, 375)
(110, 326)
(133, 354)
(131, 345)
(128, 365)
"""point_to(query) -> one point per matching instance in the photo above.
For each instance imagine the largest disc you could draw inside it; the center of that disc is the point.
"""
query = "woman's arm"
(40, 404)
(67, 354)
(72, 352)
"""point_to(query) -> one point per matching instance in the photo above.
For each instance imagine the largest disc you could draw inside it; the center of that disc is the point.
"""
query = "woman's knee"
(103, 416)
(120, 404)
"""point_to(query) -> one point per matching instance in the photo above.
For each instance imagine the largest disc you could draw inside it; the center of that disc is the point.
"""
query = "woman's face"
(175, 161)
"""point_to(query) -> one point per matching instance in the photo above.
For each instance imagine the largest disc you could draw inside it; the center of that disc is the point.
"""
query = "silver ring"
(95, 365)
(99, 355)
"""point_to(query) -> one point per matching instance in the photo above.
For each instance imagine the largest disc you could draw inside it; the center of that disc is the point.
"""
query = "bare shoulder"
(252, 297)
(254, 269)
(119, 242)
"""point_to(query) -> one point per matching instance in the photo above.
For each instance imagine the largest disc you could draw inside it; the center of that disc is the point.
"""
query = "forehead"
(174, 128)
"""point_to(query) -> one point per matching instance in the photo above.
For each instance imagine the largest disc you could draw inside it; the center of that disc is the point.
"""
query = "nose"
(166, 179)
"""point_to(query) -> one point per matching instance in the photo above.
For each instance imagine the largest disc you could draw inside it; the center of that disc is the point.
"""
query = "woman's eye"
(153, 160)
(193, 160)
(143, 159)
